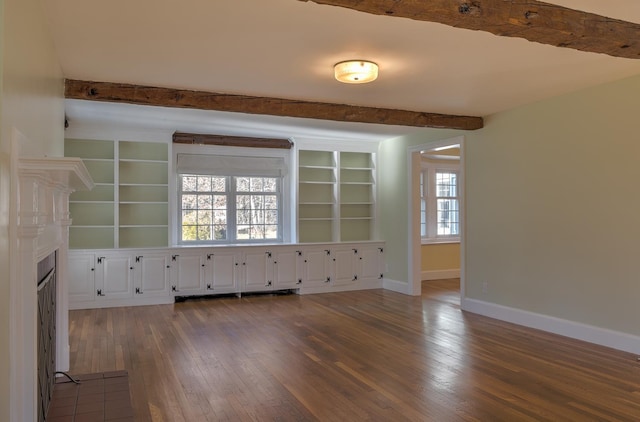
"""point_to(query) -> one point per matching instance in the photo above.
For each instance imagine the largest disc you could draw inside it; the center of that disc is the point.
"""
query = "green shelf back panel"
(316, 158)
(355, 193)
(315, 193)
(355, 230)
(356, 159)
(143, 237)
(143, 214)
(358, 176)
(355, 210)
(316, 175)
(311, 231)
(91, 237)
(88, 148)
(143, 173)
(143, 150)
(98, 193)
(315, 211)
(100, 171)
(144, 193)
(91, 214)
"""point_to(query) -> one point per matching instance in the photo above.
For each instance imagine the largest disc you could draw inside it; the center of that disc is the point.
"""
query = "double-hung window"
(225, 199)
(440, 203)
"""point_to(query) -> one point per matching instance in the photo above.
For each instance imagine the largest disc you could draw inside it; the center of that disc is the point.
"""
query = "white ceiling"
(287, 48)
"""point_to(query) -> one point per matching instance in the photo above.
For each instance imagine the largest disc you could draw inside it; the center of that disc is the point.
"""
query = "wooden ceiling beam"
(167, 97)
(529, 19)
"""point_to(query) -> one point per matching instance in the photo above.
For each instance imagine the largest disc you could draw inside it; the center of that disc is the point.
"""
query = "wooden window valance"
(230, 141)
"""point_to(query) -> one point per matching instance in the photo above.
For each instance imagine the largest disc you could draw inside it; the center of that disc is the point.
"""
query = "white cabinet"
(344, 266)
(370, 263)
(114, 276)
(316, 268)
(221, 270)
(103, 278)
(151, 274)
(256, 270)
(82, 283)
(286, 268)
(187, 274)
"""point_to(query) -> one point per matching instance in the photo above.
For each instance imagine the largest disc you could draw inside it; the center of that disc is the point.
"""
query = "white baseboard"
(604, 337)
(440, 274)
(395, 286)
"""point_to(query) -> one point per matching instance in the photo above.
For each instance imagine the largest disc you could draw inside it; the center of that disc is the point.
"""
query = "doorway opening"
(436, 212)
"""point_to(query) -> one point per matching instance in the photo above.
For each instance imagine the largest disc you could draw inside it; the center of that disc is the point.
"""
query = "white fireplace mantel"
(40, 210)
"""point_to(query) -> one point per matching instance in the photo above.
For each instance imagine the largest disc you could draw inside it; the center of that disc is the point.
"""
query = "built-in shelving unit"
(143, 194)
(128, 206)
(92, 211)
(336, 196)
(316, 195)
(357, 195)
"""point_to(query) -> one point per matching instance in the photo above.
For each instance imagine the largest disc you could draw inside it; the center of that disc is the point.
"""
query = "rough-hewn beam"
(166, 97)
(230, 141)
(533, 20)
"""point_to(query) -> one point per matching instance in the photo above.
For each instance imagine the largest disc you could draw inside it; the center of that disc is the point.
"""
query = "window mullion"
(432, 204)
(231, 208)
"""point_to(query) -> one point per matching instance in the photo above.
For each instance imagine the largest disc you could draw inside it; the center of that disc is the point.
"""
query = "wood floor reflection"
(359, 356)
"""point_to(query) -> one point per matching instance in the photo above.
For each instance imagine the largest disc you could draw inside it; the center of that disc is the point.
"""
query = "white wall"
(31, 101)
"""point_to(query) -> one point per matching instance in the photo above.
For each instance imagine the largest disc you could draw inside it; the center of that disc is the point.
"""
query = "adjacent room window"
(440, 203)
(229, 207)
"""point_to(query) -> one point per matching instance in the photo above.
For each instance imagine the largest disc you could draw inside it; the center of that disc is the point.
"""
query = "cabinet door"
(152, 275)
(369, 263)
(221, 272)
(82, 285)
(114, 278)
(285, 269)
(186, 274)
(256, 268)
(344, 266)
(316, 268)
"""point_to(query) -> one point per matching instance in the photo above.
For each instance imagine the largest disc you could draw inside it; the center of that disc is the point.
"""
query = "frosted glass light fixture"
(356, 71)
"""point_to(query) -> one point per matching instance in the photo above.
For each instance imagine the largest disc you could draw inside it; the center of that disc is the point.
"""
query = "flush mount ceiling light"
(356, 71)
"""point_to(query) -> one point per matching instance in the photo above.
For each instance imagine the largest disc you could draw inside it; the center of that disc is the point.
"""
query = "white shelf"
(91, 202)
(75, 226)
(136, 160)
(318, 167)
(129, 226)
(357, 183)
(143, 202)
(144, 184)
(313, 182)
(357, 168)
(316, 203)
(356, 218)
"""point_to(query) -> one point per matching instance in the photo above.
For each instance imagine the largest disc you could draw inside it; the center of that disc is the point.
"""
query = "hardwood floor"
(360, 356)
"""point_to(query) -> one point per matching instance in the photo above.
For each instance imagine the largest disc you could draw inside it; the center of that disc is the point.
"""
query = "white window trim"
(431, 168)
(285, 193)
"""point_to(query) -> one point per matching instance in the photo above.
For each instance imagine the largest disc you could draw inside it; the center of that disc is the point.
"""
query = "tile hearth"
(98, 397)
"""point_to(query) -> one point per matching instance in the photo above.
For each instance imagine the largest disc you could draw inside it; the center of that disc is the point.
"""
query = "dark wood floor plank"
(356, 356)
